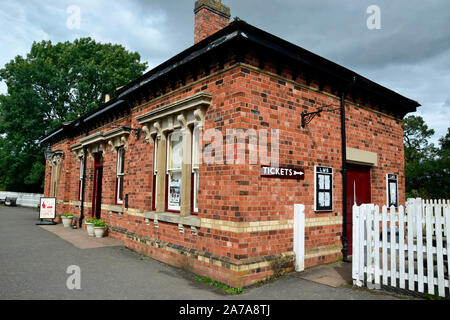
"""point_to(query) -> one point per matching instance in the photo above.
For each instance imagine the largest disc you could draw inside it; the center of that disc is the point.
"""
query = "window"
(323, 187)
(56, 162)
(120, 174)
(155, 173)
(174, 161)
(80, 185)
(196, 149)
(392, 189)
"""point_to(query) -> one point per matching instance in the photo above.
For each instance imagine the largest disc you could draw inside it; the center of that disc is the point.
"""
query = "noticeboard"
(47, 208)
(323, 188)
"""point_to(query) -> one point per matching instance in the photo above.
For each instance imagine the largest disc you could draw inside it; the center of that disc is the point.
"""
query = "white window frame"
(155, 172)
(120, 172)
(195, 167)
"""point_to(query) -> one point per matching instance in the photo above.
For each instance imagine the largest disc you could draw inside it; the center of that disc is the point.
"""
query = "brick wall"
(210, 17)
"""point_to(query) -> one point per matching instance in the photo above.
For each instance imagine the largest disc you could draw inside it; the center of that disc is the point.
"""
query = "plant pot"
(90, 229)
(67, 221)
(99, 231)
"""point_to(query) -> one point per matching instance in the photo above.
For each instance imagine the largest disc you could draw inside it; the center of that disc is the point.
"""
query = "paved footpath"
(34, 261)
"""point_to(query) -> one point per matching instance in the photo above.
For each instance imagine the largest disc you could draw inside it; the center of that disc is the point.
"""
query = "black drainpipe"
(344, 173)
(82, 188)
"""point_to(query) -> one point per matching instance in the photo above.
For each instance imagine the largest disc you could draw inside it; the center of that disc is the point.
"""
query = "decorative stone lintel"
(182, 113)
(174, 218)
(98, 141)
(77, 149)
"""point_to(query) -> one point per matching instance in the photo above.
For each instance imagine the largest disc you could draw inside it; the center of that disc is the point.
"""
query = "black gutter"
(58, 130)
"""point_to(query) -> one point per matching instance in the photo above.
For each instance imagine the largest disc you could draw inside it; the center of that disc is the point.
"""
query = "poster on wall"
(174, 191)
(392, 189)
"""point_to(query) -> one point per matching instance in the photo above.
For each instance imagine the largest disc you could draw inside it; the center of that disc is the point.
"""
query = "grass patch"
(225, 288)
(433, 297)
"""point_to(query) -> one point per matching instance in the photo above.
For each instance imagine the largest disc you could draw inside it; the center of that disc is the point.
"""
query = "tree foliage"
(52, 84)
(427, 168)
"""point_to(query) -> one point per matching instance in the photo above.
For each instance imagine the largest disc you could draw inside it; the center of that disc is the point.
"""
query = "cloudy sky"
(409, 54)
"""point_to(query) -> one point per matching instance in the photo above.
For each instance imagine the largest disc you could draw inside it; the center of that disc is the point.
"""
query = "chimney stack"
(210, 17)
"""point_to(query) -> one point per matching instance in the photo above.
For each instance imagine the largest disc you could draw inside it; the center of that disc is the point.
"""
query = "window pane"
(175, 150)
(174, 190)
(81, 168)
(196, 176)
(196, 148)
(119, 189)
(120, 161)
(155, 156)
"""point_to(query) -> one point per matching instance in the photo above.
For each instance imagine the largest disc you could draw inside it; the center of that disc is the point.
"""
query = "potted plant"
(90, 226)
(67, 219)
(99, 228)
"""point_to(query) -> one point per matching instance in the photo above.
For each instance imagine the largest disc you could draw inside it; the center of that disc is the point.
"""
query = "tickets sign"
(47, 208)
(283, 172)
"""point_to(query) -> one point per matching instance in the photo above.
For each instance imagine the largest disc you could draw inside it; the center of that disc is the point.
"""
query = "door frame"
(349, 213)
(97, 185)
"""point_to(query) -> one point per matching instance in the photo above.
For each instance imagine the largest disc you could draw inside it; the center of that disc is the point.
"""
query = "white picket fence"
(407, 250)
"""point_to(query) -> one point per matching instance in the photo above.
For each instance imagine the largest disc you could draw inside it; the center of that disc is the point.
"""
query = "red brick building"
(157, 162)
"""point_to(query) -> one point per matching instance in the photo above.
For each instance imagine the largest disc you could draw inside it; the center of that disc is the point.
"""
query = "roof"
(235, 35)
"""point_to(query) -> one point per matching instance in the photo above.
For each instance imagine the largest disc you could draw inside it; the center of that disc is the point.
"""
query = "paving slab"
(333, 275)
(80, 239)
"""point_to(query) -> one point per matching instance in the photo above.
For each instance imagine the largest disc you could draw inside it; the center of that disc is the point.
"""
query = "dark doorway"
(358, 191)
(97, 187)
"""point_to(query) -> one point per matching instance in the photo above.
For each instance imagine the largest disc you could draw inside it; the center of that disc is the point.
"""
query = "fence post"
(299, 237)
(401, 246)
(439, 253)
(384, 244)
(376, 223)
(419, 242)
(411, 229)
(355, 254)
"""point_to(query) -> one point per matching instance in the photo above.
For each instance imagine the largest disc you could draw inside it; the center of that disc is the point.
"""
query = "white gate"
(405, 250)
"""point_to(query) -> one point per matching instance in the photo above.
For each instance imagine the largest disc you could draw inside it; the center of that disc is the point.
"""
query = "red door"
(97, 188)
(358, 191)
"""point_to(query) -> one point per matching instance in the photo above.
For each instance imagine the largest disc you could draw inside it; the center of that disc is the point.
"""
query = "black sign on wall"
(392, 189)
(283, 173)
(323, 188)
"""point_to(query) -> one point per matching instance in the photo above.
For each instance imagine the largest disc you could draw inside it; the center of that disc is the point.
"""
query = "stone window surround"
(185, 114)
(55, 165)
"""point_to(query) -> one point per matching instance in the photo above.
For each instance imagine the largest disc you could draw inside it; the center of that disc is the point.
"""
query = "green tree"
(426, 167)
(52, 84)
(415, 136)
